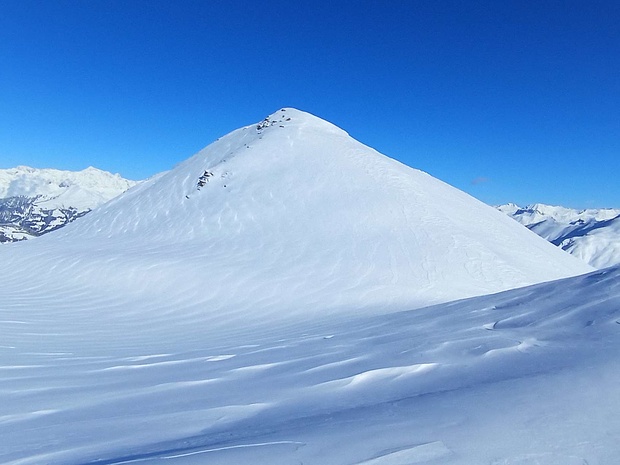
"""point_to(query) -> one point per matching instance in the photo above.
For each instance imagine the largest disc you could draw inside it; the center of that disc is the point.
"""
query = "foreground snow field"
(529, 376)
(268, 302)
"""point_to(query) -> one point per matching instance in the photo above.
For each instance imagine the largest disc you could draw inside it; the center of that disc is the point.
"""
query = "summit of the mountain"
(295, 211)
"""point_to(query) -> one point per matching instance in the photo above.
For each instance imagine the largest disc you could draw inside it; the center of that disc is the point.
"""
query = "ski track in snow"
(238, 324)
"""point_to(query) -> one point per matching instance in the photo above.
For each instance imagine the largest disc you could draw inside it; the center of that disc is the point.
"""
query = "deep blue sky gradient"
(508, 100)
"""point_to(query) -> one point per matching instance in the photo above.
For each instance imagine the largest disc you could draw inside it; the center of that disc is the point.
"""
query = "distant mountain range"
(37, 201)
(592, 235)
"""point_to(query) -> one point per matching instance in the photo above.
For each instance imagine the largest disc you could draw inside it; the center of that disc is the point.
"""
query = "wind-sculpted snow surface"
(529, 376)
(254, 305)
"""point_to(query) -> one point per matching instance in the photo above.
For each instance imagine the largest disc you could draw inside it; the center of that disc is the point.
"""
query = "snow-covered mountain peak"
(294, 209)
(301, 120)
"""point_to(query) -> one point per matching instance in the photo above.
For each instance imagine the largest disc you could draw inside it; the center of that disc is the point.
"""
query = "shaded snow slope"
(593, 235)
(293, 211)
(526, 377)
(599, 246)
(37, 201)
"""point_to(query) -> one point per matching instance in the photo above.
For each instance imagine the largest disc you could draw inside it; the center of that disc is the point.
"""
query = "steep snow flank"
(591, 235)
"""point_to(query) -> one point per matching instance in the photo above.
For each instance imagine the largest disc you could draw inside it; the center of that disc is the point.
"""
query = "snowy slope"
(36, 201)
(266, 318)
(527, 377)
(592, 235)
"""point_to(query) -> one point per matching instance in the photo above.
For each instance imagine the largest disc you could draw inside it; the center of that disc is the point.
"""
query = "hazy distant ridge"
(37, 201)
(592, 235)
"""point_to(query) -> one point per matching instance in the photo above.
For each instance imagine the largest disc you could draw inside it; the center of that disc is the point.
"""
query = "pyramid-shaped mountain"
(292, 215)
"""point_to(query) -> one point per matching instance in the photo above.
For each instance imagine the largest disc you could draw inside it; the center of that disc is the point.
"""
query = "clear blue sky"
(508, 100)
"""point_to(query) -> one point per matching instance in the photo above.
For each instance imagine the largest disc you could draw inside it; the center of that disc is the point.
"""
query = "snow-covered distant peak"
(82, 190)
(592, 234)
(539, 211)
(37, 201)
(508, 208)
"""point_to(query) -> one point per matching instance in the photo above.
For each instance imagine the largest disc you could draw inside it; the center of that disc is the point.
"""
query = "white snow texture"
(267, 302)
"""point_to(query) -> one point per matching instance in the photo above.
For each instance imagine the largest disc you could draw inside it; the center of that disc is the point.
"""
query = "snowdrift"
(525, 377)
